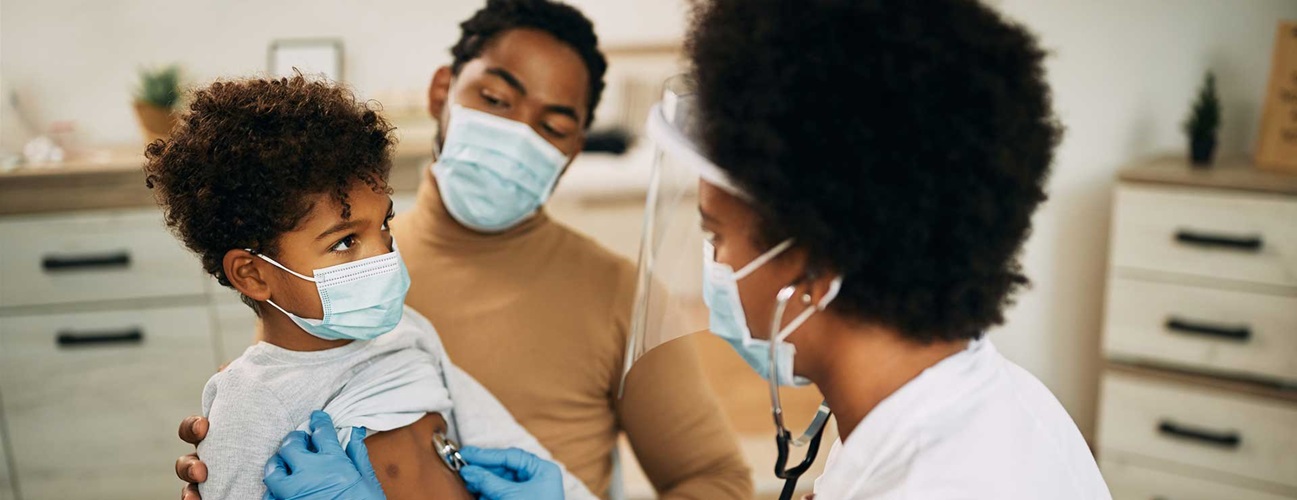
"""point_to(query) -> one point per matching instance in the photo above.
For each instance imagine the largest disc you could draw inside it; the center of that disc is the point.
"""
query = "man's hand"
(189, 468)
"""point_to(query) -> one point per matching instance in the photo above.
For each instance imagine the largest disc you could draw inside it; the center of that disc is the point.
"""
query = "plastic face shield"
(668, 303)
(668, 295)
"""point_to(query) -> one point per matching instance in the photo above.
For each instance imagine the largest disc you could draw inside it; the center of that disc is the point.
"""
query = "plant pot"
(155, 122)
(1202, 150)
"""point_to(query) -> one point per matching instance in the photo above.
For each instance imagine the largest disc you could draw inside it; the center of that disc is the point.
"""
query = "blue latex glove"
(510, 474)
(314, 466)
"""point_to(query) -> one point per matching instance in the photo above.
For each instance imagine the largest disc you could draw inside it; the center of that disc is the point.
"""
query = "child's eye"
(343, 244)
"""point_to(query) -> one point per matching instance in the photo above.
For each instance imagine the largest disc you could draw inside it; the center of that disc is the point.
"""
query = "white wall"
(1123, 74)
(77, 59)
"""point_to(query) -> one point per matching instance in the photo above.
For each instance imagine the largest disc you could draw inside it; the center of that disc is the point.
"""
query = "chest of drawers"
(1199, 394)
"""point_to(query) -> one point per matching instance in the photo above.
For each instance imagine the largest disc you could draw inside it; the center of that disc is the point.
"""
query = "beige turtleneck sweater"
(540, 316)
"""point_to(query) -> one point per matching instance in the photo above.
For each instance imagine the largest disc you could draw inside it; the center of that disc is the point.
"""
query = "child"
(280, 187)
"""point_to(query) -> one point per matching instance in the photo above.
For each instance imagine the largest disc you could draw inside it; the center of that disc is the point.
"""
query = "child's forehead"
(326, 208)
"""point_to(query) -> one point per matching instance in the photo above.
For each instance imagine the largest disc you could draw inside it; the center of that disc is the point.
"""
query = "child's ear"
(243, 273)
(439, 92)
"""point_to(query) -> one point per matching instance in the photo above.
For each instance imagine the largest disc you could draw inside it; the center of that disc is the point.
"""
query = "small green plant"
(1204, 120)
(159, 86)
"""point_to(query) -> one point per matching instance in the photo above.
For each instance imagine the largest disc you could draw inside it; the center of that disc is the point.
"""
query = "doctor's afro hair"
(247, 158)
(903, 145)
(560, 20)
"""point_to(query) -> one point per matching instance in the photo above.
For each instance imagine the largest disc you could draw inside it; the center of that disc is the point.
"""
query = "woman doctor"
(868, 170)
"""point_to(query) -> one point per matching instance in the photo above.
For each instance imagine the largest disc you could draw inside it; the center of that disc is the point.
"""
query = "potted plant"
(1203, 123)
(155, 101)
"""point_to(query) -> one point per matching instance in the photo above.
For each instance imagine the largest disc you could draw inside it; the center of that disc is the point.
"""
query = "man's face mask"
(361, 299)
(493, 173)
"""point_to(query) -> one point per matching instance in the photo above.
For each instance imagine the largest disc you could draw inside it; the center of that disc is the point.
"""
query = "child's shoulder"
(414, 330)
(241, 381)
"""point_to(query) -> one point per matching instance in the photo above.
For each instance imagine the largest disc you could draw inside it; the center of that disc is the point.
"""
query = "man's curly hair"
(902, 144)
(560, 20)
(241, 167)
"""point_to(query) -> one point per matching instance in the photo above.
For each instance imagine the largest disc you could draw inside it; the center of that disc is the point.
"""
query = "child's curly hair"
(241, 167)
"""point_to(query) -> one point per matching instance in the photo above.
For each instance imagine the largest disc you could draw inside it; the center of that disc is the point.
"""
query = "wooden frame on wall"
(310, 55)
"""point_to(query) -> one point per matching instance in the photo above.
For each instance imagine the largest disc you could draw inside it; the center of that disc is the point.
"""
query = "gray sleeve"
(247, 423)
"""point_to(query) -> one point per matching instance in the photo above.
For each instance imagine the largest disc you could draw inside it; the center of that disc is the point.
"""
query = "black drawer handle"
(113, 260)
(1230, 440)
(1188, 327)
(1243, 243)
(72, 339)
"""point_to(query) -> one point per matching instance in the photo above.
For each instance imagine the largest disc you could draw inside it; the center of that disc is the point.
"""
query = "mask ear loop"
(281, 266)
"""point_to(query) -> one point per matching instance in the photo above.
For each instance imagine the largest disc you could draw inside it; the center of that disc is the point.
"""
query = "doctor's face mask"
(730, 316)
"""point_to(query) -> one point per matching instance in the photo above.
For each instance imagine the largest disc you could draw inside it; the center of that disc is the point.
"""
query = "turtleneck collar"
(434, 224)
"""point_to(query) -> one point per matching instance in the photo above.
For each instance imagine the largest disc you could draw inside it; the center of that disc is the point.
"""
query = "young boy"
(280, 187)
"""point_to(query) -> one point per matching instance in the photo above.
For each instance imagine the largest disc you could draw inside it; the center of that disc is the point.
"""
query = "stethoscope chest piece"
(448, 450)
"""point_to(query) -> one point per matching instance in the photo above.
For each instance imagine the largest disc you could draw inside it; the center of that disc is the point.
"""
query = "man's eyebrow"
(508, 78)
(707, 217)
(337, 228)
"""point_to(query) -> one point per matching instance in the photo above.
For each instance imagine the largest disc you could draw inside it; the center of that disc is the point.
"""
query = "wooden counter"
(112, 178)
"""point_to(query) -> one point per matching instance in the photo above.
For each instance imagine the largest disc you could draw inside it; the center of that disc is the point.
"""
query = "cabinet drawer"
(1239, 435)
(1219, 330)
(92, 400)
(90, 257)
(1128, 481)
(1247, 238)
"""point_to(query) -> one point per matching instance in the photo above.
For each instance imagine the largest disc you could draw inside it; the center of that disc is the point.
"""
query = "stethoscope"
(448, 450)
(814, 432)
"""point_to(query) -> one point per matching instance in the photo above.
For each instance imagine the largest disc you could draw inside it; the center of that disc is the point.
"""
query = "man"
(537, 312)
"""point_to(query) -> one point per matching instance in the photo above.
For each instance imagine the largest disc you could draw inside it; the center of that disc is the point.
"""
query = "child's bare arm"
(409, 468)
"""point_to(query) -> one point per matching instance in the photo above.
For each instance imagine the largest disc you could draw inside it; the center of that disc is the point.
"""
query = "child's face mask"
(361, 299)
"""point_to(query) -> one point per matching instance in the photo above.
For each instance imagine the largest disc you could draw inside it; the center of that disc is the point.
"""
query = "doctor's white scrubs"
(974, 426)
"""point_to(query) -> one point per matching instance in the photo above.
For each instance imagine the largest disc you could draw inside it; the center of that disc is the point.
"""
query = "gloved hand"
(510, 474)
(314, 467)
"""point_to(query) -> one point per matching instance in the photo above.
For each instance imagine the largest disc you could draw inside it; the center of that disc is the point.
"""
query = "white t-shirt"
(974, 426)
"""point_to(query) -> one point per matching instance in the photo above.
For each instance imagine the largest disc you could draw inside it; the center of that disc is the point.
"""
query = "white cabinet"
(1129, 481)
(6, 481)
(1199, 397)
(92, 399)
(107, 336)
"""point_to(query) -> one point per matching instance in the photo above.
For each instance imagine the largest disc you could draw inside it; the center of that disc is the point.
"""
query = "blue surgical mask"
(492, 172)
(361, 299)
(727, 320)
